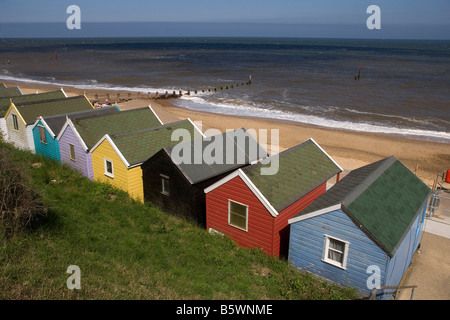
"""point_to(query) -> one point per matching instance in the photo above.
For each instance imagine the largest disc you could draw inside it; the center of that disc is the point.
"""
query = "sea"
(392, 87)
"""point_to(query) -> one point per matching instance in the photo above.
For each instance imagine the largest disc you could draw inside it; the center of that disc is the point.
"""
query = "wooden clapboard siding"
(83, 161)
(127, 179)
(135, 187)
(178, 202)
(3, 129)
(105, 150)
(17, 137)
(30, 139)
(50, 149)
(281, 229)
(186, 199)
(402, 259)
(260, 221)
(306, 245)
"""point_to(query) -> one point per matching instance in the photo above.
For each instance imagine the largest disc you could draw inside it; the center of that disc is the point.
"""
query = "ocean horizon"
(394, 87)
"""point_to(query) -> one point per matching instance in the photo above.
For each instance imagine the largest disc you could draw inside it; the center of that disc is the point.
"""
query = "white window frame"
(109, 174)
(165, 178)
(246, 215)
(326, 248)
(42, 134)
(15, 122)
(72, 147)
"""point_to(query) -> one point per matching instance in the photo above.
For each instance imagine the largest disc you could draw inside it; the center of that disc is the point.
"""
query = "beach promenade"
(430, 269)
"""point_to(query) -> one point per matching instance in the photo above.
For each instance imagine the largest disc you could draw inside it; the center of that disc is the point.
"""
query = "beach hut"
(21, 117)
(364, 230)
(46, 129)
(253, 208)
(5, 103)
(79, 135)
(117, 158)
(177, 185)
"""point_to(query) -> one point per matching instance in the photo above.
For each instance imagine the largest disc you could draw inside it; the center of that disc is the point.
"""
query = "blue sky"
(399, 18)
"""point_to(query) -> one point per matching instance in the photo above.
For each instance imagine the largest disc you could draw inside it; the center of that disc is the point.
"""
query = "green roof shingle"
(93, 129)
(32, 110)
(301, 169)
(5, 102)
(140, 145)
(10, 92)
(237, 143)
(383, 197)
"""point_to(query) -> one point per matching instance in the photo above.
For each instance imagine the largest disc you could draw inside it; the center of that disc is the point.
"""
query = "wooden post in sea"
(166, 95)
(249, 79)
(149, 95)
(157, 95)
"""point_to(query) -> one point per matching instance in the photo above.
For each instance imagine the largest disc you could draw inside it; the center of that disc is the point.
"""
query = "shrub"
(20, 205)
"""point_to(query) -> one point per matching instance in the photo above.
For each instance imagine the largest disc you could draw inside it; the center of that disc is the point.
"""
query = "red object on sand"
(447, 177)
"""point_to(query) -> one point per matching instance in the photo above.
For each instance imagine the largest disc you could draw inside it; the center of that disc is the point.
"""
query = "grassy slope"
(128, 250)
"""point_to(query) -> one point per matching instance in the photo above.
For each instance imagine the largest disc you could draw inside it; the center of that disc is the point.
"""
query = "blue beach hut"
(364, 231)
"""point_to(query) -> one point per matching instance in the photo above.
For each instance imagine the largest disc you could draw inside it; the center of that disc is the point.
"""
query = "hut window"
(109, 171)
(15, 123)
(42, 135)
(72, 152)
(165, 186)
(335, 252)
(237, 215)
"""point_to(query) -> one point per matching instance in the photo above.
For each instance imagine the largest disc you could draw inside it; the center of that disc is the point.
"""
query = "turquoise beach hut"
(47, 128)
(364, 231)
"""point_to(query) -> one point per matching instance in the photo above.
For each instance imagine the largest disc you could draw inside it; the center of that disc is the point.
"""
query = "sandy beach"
(350, 149)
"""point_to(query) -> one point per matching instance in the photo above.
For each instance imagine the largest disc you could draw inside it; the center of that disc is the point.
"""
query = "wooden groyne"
(106, 96)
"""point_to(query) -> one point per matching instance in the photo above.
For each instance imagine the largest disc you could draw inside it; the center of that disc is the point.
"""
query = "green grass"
(129, 250)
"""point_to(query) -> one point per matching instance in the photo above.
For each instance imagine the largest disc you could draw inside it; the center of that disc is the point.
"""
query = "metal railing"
(396, 293)
(436, 196)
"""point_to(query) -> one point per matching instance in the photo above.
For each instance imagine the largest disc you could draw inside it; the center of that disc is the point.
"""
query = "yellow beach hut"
(117, 159)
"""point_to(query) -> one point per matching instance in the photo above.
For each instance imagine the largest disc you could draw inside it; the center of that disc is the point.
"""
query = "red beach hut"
(254, 209)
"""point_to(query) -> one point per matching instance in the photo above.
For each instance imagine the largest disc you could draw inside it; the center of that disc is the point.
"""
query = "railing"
(436, 196)
(396, 293)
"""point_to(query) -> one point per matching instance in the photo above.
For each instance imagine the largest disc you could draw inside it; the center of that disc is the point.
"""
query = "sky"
(329, 18)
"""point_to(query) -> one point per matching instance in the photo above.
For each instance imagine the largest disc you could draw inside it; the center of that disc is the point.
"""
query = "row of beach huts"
(359, 231)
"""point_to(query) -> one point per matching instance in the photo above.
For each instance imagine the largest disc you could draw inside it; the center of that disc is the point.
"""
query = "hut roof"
(136, 147)
(5, 102)
(10, 91)
(92, 129)
(56, 122)
(30, 111)
(382, 198)
(301, 169)
(232, 150)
